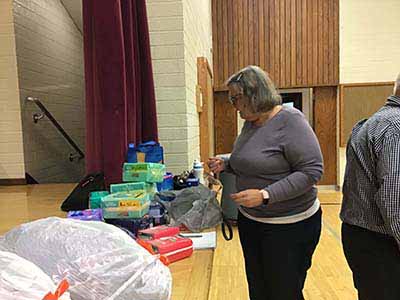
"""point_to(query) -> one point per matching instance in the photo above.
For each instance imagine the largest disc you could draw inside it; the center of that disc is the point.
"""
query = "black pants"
(277, 257)
(374, 259)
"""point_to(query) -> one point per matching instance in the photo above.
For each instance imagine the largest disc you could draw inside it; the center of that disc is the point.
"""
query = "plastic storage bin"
(143, 172)
(86, 215)
(167, 184)
(125, 205)
(132, 225)
(95, 198)
(131, 153)
(127, 187)
(157, 212)
(150, 188)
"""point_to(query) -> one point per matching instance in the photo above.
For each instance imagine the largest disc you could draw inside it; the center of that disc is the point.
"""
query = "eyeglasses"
(233, 99)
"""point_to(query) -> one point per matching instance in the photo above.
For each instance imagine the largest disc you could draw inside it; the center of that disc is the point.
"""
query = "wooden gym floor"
(328, 279)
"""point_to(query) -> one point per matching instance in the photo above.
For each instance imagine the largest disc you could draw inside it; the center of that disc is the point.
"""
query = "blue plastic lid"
(168, 175)
(190, 179)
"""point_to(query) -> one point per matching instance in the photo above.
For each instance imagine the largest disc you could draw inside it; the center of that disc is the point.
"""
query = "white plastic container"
(198, 170)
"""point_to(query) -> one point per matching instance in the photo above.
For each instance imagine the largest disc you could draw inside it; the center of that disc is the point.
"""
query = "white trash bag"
(100, 261)
(23, 280)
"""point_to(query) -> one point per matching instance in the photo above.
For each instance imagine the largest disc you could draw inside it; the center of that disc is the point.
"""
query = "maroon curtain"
(120, 100)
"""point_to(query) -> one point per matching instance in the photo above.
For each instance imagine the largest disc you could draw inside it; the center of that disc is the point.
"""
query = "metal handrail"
(45, 112)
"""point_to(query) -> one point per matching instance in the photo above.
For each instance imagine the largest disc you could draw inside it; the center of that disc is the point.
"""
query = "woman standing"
(277, 161)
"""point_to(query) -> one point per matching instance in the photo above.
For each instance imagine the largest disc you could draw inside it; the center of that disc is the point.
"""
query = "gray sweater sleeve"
(302, 151)
(227, 166)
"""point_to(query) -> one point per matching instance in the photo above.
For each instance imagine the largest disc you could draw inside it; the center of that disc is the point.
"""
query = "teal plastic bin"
(150, 188)
(127, 187)
(95, 198)
(125, 205)
(143, 172)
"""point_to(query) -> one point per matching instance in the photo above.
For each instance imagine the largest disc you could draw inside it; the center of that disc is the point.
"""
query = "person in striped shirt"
(371, 203)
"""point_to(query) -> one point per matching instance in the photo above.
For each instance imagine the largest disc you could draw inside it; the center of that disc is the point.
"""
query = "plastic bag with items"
(195, 207)
(23, 280)
(99, 261)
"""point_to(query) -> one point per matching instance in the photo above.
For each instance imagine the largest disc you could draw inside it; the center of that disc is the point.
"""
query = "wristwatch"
(265, 195)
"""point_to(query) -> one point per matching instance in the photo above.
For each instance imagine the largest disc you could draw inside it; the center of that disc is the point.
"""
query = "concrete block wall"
(180, 31)
(369, 40)
(197, 43)
(49, 50)
(165, 20)
(11, 142)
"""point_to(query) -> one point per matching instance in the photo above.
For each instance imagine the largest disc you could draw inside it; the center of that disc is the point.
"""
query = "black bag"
(79, 197)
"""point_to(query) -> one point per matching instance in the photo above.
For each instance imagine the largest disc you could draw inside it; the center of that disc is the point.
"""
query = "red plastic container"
(158, 232)
(174, 248)
(169, 249)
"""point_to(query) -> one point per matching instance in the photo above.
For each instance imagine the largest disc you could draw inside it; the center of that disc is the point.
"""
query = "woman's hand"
(216, 164)
(248, 198)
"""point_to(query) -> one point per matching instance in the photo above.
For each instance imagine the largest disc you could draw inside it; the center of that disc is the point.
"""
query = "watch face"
(264, 194)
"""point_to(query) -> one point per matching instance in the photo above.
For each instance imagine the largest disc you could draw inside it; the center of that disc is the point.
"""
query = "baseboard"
(13, 181)
(30, 179)
(328, 187)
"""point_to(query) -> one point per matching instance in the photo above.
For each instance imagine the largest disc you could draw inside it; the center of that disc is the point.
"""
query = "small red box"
(158, 232)
(173, 248)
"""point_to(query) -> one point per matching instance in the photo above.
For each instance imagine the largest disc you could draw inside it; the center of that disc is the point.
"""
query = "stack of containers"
(166, 242)
(94, 213)
(134, 204)
(128, 204)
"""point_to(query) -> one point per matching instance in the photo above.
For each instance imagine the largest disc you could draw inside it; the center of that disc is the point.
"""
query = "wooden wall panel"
(360, 101)
(325, 127)
(296, 41)
(225, 123)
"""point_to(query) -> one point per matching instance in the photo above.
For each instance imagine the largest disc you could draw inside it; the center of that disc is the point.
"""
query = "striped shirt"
(371, 188)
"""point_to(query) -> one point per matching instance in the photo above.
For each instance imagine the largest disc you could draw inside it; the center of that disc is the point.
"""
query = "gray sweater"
(283, 157)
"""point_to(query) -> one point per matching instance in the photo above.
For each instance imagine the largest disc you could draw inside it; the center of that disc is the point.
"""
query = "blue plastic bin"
(167, 184)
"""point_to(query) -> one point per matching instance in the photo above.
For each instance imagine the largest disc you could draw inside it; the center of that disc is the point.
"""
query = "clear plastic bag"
(195, 207)
(100, 261)
(23, 280)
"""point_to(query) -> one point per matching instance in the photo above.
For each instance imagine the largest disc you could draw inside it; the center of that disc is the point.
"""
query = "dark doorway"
(293, 100)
